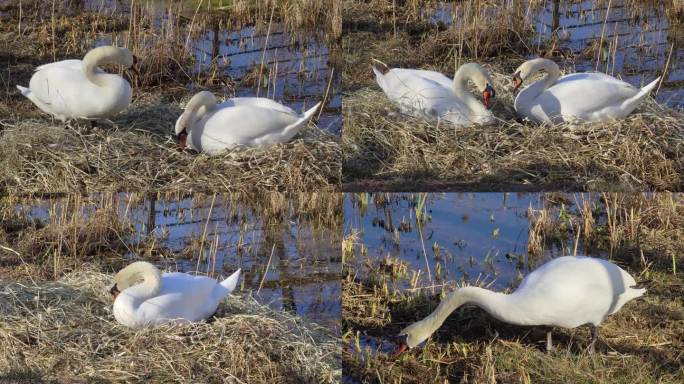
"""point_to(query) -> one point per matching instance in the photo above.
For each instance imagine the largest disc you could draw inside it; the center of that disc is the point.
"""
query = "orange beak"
(400, 349)
(517, 82)
(486, 95)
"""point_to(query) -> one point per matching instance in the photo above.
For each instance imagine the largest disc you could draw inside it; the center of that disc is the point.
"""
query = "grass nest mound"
(136, 151)
(65, 332)
(382, 147)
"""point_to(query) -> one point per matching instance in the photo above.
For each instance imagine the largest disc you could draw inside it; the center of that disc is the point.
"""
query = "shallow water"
(479, 236)
(304, 261)
(293, 64)
(637, 41)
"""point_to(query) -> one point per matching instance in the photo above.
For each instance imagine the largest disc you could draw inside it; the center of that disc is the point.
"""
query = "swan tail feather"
(309, 114)
(634, 101)
(294, 128)
(228, 285)
(379, 77)
(24, 91)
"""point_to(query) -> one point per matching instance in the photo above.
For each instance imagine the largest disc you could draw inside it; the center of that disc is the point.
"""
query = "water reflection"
(291, 67)
(470, 237)
(632, 40)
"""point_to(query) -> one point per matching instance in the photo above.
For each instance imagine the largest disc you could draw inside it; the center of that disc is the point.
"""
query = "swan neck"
(461, 78)
(493, 302)
(552, 73)
(148, 288)
(92, 60)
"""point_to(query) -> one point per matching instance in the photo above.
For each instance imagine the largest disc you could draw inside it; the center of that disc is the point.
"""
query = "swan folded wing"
(401, 74)
(563, 287)
(257, 102)
(66, 91)
(243, 124)
(182, 297)
(584, 97)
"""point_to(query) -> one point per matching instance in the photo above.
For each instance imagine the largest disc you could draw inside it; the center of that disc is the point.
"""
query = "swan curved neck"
(551, 69)
(470, 72)
(141, 280)
(96, 57)
(501, 306)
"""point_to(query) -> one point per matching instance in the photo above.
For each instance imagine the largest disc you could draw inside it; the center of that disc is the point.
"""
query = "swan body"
(208, 127)
(79, 89)
(591, 96)
(565, 292)
(146, 297)
(431, 95)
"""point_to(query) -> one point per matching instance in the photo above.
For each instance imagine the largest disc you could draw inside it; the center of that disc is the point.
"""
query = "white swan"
(144, 297)
(590, 96)
(431, 95)
(250, 121)
(79, 89)
(565, 292)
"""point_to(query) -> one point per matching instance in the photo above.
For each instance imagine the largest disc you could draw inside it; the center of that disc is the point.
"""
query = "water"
(479, 236)
(637, 40)
(297, 74)
(303, 275)
(636, 45)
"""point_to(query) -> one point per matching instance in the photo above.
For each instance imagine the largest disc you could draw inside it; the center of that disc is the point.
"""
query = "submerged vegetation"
(136, 151)
(384, 150)
(642, 233)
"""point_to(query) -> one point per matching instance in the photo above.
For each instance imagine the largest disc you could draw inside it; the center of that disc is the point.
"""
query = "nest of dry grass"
(644, 151)
(137, 152)
(65, 332)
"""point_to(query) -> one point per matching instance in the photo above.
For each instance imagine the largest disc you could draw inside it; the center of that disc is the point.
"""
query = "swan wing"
(573, 290)
(71, 64)
(64, 91)
(246, 124)
(587, 96)
(257, 102)
(181, 297)
(433, 76)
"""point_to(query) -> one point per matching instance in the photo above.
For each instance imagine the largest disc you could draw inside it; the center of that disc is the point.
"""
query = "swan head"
(528, 69)
(132, 275)
(194, 110)
(412, 336)
(480, 77)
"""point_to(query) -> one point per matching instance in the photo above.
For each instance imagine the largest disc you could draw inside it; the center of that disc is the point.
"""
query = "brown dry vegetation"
(384, 150)
(641, 343)
(93, 230)
(64, 332)
(56, 323)
(136, 151)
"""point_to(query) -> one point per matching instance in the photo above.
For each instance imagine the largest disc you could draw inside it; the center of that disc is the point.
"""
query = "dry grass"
(641, 343)
(138, 153)
(384, 150)
(65, 332)
(645, 151)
